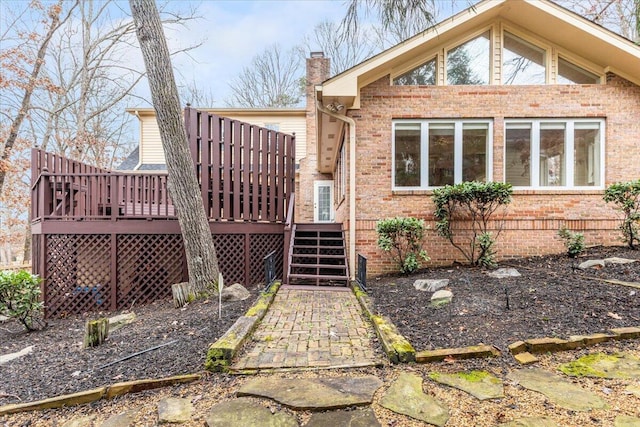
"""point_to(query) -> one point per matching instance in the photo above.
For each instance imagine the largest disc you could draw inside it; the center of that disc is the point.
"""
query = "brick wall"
(534, 217)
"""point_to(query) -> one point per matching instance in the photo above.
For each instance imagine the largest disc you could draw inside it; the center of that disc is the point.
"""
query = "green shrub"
(573, 241)
(476, 202)
(626, 197)
(403, 239)
(20, 298)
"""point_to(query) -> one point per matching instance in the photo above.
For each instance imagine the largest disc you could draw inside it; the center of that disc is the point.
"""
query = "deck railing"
(245, 172)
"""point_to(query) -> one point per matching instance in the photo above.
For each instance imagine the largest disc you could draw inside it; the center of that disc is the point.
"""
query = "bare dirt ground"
(551, 298)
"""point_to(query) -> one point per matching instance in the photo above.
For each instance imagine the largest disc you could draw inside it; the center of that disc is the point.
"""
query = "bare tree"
(400, 19)
(194, 94)
(344, 53)
(621, 16)
(202, 261)
(11, 60)
(274, 79)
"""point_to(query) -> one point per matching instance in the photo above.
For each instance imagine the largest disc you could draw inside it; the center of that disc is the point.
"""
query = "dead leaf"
(614, 316)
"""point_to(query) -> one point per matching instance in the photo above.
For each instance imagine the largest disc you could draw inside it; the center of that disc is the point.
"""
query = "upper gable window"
(468, 63)
(522, 62)
(424, 74)
(569, 73)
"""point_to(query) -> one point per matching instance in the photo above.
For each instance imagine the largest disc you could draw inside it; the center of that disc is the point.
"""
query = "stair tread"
(317, 276)
(327, 256)
(331, 266)
(317, 246)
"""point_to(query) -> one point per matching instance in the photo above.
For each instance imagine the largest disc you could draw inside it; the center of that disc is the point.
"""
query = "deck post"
(113, 274)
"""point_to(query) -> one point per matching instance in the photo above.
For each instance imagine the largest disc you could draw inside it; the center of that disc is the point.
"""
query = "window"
(468, 64)
(432, 153)
(424, 74)
(554, 153)
(522, 62)
(569, 73)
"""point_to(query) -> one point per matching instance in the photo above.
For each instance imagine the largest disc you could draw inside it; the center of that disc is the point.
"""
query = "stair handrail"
(289, 235)
(346, 259)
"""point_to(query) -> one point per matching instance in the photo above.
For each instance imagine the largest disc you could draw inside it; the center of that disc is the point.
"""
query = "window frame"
(569, 152)
(458, 125)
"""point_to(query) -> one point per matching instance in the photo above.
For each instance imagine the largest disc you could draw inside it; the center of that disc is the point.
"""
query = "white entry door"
(322, 201)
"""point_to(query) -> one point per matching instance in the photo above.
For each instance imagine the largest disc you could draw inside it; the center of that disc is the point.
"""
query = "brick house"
(518, 91)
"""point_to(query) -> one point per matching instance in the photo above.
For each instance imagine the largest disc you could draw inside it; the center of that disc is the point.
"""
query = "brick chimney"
(318, 68)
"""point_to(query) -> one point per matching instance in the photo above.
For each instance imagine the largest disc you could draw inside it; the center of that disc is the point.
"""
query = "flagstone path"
(311, 329)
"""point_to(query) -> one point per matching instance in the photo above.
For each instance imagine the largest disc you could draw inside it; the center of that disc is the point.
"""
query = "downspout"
(352, 183)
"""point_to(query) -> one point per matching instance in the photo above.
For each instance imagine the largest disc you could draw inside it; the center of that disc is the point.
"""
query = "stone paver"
(311, 328)
(314, 393)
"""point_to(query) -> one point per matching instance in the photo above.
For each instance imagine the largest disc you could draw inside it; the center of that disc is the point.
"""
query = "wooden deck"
(103, 239)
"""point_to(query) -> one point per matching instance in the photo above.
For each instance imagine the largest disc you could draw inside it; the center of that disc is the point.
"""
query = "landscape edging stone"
(93, 395)
(397, 348)
(221, 352)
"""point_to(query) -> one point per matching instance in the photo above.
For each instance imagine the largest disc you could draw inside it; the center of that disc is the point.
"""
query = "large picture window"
(436, 153)
(554, 153)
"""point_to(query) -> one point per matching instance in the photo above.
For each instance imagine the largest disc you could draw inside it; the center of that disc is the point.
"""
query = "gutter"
(352, 183)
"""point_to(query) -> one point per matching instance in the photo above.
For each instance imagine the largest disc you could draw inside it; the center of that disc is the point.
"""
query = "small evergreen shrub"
(573, 241)
(20, 298)
(477, 203)
(403, 238)
(626, 197)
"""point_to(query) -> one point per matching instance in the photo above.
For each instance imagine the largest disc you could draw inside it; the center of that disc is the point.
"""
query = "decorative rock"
(430, 285)
(405, 396)
(592, 263)
(6, 358)
(441, 297)
(480, 384)
(600, 365)
(356, 418)
(531, 422)
(559, 391)
(626, 421)
(633, 389)
(117, 322)
(85, 421)
(503, 273)
(245, 413)
(174, 410)
(314, 393)
(616, 260)
(235, 292)
(525, 358)
(3, 318)
(124, 419)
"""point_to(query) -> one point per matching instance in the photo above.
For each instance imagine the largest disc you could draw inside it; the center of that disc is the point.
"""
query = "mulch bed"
(60, 365)
(551, 299)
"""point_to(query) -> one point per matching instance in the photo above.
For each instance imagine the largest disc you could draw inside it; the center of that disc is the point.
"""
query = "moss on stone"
(585, 366)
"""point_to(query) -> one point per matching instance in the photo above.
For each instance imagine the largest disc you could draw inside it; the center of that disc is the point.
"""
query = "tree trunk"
(202, 261)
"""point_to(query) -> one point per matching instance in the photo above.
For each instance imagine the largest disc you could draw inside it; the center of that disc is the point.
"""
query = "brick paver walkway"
(311, 328)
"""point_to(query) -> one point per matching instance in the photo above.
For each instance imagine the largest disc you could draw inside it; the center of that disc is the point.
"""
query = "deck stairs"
(318, 256)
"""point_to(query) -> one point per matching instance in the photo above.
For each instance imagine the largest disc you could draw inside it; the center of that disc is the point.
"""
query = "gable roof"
(546, 19)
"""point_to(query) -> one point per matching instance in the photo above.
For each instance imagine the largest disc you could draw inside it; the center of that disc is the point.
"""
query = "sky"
(233, 32)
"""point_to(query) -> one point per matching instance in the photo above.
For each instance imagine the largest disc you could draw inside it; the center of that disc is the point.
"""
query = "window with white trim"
(547, 153)
(433, 153)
